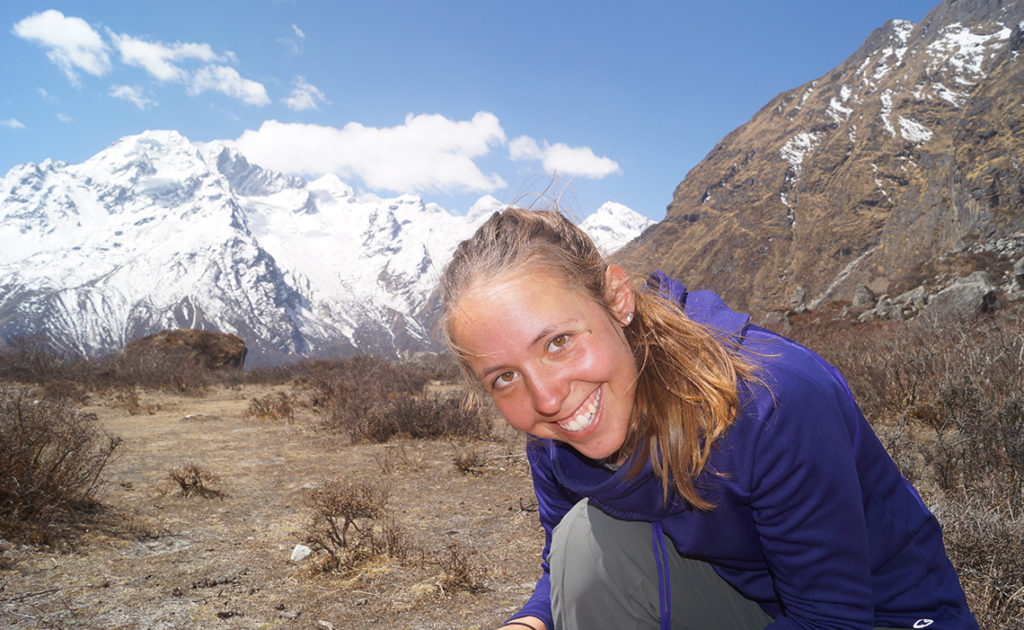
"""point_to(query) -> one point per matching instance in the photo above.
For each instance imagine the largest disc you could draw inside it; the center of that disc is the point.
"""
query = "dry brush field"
(151, 557)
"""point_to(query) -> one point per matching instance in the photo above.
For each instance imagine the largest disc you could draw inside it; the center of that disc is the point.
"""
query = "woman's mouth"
(584, 416)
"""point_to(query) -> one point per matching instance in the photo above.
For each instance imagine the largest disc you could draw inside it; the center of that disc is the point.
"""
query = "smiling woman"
(559, 367)
(692, 470)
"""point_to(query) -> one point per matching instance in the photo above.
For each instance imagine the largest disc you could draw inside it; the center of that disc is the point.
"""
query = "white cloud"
(13, 123)
(64, 118)
(226, 80)
(131, 94)
(49, 98)
(156, 57)
(562, 159)
(304, 96)
(72, 44)
(294, 44)
(428, 153)
(524, 148)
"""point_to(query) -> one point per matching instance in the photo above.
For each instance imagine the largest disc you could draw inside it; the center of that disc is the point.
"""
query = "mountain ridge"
(159, 232)
(903, 153)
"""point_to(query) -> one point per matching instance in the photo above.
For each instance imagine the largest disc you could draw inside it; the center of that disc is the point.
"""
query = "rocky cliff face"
(909, 151)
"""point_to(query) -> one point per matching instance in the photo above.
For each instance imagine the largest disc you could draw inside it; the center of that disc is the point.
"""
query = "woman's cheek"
(513, 412)
(587, 366)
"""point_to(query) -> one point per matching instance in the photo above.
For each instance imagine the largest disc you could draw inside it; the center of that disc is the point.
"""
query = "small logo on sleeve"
(923, 623)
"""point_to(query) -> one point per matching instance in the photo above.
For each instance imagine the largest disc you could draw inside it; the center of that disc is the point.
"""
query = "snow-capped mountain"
(159, 232)
(614, 225)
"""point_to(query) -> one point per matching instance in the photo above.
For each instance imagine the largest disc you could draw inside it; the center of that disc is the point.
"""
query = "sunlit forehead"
(503, 322)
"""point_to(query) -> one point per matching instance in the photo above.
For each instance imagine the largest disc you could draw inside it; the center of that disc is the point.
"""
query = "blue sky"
(595, 101)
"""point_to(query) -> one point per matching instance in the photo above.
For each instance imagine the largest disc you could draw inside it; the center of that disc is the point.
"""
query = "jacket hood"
(637, 498)
(703, 307)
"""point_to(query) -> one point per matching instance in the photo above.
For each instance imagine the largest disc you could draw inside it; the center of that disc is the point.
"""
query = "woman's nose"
(549, 391)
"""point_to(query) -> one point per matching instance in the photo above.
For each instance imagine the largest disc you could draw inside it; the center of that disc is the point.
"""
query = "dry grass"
(157, 559)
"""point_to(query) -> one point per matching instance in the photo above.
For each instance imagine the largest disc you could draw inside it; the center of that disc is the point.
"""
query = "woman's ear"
(618, 293)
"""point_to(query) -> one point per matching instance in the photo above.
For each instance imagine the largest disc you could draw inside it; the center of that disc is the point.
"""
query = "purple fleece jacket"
(812, 520)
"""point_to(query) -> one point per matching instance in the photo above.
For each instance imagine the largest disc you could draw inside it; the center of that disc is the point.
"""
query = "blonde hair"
(686, 391)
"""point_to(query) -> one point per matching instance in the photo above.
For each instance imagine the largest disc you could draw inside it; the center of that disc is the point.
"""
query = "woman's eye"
(559, 342)
(504, 379)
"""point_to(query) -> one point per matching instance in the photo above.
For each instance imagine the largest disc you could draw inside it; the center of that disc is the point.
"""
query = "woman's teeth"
(584, 418)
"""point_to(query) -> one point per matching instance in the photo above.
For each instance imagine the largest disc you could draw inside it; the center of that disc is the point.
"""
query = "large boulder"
(885, 309)
(863, 297)
(978, 277)
(914, 299)
(213, 350)
(966, 297)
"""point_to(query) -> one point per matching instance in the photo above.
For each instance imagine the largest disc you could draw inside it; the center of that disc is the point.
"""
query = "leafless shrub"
(460, 573)
(418, 417)
(440, 366)
(393, 541)
(316, 373)
(344, 392)
(128, 398)
(51, 458)
(152, 368)
(194, 480)
(65, 389)
(58, 376)
(35, 360)
(271, 407)
(985, 541)
(395, 459)
(69, 376)
(469, 460)
(431, 417)
(299, 372)
(375, 425)
(351, 523)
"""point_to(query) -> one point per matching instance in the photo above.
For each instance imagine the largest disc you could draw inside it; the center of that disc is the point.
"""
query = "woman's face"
(555, 361)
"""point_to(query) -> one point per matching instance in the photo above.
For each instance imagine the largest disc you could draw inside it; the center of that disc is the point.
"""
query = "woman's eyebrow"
(548, 330)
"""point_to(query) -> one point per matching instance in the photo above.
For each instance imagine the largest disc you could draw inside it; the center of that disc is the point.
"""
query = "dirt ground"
(156, 559)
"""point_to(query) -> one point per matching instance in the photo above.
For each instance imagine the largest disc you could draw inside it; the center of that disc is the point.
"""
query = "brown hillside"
(909, 150)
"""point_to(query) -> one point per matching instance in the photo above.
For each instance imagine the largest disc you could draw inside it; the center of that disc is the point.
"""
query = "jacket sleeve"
(806, 499)
(553, 502)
